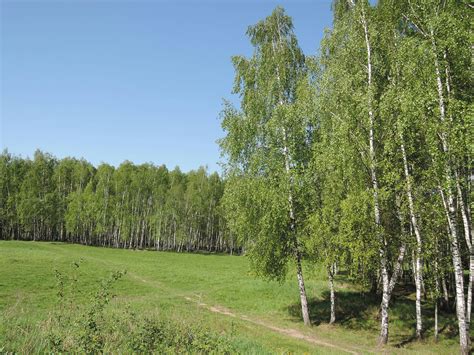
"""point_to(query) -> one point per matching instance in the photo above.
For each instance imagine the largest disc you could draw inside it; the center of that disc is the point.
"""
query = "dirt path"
(290, 332)
(293, 333)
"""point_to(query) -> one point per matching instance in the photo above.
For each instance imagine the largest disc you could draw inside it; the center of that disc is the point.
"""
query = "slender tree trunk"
(460, 304)
(332, 293)
(450, 209)
(458, 273)
(397, 269)
(470, 286)
(419, 324)
(469, 242)
(383, 338)
(304, 302)
(297, 251)
(387, 289)
(445, 291)
(436, 320)
(416, 230)
(436, 296)
(464, 206)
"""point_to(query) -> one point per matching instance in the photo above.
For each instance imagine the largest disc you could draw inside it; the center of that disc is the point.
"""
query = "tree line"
(360, 157)
(132, 206)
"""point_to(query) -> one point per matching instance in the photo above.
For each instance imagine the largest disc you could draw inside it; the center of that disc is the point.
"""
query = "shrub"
(92, 328)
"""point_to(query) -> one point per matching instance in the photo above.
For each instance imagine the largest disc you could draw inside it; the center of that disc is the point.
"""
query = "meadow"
(214, 292)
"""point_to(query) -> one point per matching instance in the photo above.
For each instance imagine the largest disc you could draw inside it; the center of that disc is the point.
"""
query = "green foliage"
(142, 206)
(74, 329)
(266, 146)
(92, 328)
(165, 337)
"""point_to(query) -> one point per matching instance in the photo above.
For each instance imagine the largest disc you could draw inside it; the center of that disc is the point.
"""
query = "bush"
(95, 329)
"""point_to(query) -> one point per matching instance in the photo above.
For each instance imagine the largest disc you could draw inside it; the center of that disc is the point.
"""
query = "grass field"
(215, 291)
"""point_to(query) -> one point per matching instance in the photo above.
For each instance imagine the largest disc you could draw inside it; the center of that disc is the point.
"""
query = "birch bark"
(416, 230)
(331, 270)
(383, 338)
(297, 251)
(450, 210)
(464, 206)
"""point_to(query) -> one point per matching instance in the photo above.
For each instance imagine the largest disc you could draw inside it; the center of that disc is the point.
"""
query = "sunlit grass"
(162, 283)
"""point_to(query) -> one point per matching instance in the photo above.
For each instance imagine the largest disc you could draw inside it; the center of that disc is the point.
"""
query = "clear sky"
(138, 80)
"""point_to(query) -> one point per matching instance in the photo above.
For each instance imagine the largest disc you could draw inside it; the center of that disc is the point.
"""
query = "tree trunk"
(304, 302)
(460, 305)
(299, 270)
(436, 297)
(468, 236)
(419, 323)
(332, 293)
(436, 321)
(464, 206)
(445, 292)
(470, 286)
(450, 209)
(458, 273)
(416, 230)
(383, 338)
(297, 251)
(387, 289)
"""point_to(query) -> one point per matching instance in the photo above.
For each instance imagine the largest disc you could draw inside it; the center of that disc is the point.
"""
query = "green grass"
(173, 285)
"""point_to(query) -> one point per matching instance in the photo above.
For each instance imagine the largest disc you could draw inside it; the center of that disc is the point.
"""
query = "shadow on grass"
(359, 311)
(354, 310)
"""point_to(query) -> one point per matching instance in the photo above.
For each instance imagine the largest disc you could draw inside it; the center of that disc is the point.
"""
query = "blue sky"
(138, 80)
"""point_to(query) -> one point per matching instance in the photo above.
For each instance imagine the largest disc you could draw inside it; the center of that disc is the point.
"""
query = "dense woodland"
(132, 206)
(359, 157)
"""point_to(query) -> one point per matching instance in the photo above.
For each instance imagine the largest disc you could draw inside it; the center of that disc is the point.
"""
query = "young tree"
(267, 148)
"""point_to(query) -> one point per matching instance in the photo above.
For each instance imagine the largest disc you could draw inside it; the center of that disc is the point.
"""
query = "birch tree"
(266, 147)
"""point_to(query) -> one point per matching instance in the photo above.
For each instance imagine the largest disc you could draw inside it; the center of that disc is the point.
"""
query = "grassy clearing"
(187, 287)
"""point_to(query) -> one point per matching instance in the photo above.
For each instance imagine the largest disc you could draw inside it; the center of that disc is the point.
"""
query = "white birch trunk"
(436, 297)
(450, 209)
(416, 230)
(304, 301)
(331, 270)
(465, 211)
(383, 339)
(436, 320)
(458, 272)
(397, 270)
(297, 251)
(469, 243)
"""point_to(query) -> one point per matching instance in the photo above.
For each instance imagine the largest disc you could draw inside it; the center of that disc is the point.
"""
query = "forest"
(132, 206)
(358, 158)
